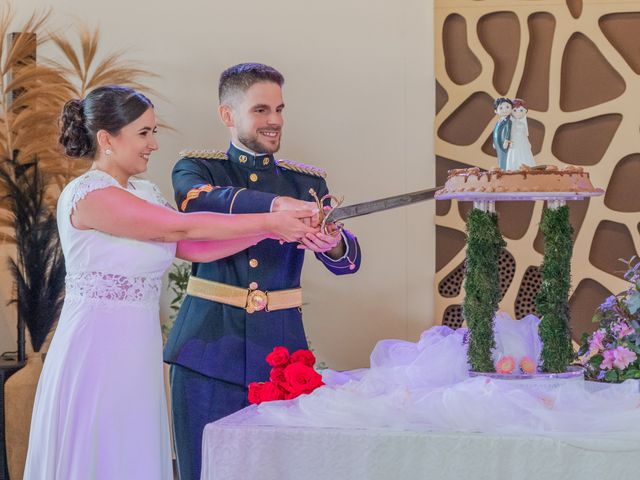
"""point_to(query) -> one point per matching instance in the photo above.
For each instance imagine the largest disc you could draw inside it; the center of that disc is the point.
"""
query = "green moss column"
(482, 284)
(552, 301)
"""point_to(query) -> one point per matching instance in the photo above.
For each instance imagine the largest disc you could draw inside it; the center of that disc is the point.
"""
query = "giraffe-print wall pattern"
(577, 64)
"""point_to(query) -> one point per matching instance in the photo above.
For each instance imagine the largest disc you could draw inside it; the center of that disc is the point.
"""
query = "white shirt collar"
(246, 150)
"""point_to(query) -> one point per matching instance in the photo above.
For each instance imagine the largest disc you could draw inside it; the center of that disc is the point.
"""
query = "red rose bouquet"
(291, 375)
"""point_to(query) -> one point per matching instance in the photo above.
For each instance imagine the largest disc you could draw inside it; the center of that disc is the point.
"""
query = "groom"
(502, 131)
(217, 346)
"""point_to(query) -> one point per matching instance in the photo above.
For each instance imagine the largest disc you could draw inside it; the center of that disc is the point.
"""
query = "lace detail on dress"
(151, 191)
(159, 197)
(100, 287)
(90, 181)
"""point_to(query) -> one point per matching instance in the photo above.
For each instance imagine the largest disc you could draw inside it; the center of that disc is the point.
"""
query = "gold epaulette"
(301, 168)
(208, 154)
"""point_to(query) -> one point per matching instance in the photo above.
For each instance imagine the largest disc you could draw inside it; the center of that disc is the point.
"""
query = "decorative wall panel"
(576, 63)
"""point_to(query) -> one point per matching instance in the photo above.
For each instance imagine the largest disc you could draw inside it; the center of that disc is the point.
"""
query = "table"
(235, 449)
(7, 368)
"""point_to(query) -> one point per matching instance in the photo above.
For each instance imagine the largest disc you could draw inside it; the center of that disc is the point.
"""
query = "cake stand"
(482, 290)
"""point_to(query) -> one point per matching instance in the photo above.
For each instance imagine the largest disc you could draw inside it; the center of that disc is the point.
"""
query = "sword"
(336, 212)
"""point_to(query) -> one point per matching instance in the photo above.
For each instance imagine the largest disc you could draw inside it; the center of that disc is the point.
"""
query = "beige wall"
(360, 104)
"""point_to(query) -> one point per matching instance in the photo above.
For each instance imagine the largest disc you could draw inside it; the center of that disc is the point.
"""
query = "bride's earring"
(108, 152)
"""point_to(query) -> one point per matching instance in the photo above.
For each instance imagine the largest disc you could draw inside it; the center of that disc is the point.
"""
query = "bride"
(100, 410)
(519, 152)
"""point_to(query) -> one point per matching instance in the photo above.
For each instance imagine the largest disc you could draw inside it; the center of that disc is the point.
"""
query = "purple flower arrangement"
(612, 352)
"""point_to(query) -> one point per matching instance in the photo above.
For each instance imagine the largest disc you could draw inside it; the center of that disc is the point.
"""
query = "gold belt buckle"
(256, 300)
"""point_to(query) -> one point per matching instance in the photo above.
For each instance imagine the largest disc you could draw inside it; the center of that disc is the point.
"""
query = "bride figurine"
(519, 152)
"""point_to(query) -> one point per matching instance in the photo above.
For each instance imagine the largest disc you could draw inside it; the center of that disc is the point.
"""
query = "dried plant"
(38, 268)
(31, 96)
(84, 72)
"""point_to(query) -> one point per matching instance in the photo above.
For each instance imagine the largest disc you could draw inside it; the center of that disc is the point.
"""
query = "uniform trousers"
(196, 400)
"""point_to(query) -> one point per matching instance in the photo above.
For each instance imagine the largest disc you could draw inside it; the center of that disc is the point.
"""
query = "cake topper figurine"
(519, 148)
(502, 131)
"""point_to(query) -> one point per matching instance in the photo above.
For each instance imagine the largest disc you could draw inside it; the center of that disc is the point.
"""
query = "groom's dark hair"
(500, 100)
(239, 78)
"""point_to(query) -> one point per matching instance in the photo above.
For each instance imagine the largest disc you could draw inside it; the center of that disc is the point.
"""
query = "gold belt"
(250, 300)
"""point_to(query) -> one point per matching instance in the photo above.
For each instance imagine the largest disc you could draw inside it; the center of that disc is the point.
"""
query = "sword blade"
(381, 204)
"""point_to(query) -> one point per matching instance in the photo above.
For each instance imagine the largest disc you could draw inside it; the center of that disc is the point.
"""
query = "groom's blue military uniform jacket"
(223, 341)
(501, 133)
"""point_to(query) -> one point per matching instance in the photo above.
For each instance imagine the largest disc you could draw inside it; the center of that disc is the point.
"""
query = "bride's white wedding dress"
(100, 410)
(519, 152)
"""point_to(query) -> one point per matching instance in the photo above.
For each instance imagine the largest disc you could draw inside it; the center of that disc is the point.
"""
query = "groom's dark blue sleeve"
(196, 191)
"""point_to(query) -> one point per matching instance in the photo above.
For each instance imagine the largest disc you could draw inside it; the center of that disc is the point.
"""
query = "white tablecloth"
(236, 448)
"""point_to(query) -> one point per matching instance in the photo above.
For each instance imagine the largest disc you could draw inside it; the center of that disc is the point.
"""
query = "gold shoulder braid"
(301, 168)
(208, 154)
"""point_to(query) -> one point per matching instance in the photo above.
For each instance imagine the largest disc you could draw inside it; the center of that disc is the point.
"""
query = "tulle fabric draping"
(426, 386)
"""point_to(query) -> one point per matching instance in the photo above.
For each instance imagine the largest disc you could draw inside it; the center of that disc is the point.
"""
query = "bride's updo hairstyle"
(106, 108)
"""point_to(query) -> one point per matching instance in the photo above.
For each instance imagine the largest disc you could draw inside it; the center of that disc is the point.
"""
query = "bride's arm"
(117, 212)
(209, 251)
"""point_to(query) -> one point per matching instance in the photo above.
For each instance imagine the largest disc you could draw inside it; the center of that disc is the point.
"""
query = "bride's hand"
(288, 203)
(289, 225)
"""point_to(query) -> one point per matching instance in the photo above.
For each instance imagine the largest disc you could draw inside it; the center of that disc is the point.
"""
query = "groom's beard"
(252, 142)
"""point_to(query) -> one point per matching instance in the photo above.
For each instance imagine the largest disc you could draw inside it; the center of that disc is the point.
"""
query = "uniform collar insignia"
(253, 161)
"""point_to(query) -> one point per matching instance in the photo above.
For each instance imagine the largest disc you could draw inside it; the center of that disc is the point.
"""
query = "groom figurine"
(239, 308)
(502, 131)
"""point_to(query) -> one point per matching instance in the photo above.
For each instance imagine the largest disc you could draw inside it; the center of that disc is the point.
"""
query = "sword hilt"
(324, 215)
